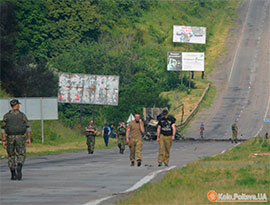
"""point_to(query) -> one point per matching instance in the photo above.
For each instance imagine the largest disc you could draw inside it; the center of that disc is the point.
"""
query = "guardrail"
(194, 111)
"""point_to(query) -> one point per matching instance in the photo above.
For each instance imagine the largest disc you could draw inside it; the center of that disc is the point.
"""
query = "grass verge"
(232, 172)
(58, 139)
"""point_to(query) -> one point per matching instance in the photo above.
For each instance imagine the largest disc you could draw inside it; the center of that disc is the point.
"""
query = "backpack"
(15, 124)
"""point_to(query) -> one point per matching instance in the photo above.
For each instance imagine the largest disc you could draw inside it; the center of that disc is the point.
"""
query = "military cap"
(14, 102)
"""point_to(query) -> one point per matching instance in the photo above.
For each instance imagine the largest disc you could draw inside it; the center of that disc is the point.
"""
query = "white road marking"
(265, 115)
(140, 183)
(236, 53)
(147, 179)
(95, 202)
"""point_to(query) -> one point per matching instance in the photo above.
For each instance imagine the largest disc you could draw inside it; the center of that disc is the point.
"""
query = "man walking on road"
(91, 132)
(15, 124)
(106, 131)
(121, 131)
(165, 134)
(135, 143)
(234, 132)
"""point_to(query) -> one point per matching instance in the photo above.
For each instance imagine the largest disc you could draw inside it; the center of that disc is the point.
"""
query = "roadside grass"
(190, 100)
(58, 139)
(232, 172)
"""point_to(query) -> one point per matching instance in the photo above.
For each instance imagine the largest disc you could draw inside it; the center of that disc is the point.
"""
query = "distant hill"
(119, 37)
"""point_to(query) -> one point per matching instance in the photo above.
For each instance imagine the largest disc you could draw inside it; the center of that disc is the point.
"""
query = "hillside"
(126, 38)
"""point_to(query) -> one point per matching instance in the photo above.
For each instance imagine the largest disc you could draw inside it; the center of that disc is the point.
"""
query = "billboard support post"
(81, 114)
(189, 81)
(42, 131)
(181, 77)
(94, 113)
(42, 123)
(189, 71)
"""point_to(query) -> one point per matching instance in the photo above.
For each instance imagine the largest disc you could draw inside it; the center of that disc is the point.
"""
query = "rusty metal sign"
(88, 89)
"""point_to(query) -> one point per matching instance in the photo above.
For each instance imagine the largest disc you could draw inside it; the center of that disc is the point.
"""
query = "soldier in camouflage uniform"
(15, 125)
(91, 132)
(234, 132)
(135, 142)
(121, 131)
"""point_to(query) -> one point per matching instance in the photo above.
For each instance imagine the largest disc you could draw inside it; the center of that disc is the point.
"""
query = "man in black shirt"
(165, 134)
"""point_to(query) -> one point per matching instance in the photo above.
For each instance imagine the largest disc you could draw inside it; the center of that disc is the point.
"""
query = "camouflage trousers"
(121, 142)
(165, 143)
(135, 146)
(234, 136)
(91, 143)
(16, 150)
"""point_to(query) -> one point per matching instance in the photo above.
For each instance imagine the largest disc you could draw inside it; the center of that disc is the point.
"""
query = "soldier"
(91, 132)
(121, 131)
(234, 131)
(165, 134)
(135, 129)
(15, 125)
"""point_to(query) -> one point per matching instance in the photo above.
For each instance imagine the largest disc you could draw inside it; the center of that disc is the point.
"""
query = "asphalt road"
(242, 80)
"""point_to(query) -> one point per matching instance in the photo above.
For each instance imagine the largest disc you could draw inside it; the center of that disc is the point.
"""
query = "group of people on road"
(132, 135)
(15, 125)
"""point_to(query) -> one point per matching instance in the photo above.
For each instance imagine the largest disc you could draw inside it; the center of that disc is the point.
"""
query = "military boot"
(139, 162)
(19, 171)
(13, 174)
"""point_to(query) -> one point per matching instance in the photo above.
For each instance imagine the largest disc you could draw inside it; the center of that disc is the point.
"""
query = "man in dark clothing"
(165, 134)
(106, 131)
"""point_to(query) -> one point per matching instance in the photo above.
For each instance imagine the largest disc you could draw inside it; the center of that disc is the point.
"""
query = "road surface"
(243, 89)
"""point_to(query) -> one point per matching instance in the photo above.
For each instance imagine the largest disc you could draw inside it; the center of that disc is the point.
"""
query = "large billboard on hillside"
(189, 34)
(192, 61)
(88, 89)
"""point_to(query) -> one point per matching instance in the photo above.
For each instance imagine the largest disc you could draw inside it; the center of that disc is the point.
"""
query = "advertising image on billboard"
(174, 61)
(189, 34)
(88, 89)
(192, 61)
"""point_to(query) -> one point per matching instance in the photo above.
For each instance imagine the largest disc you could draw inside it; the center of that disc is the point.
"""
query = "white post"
(42, 123)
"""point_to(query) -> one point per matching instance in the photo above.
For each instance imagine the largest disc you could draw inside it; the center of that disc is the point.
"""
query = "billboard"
(174, 61)
(88, 89)
(34, 108)
(189, 34)
(192, 61)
